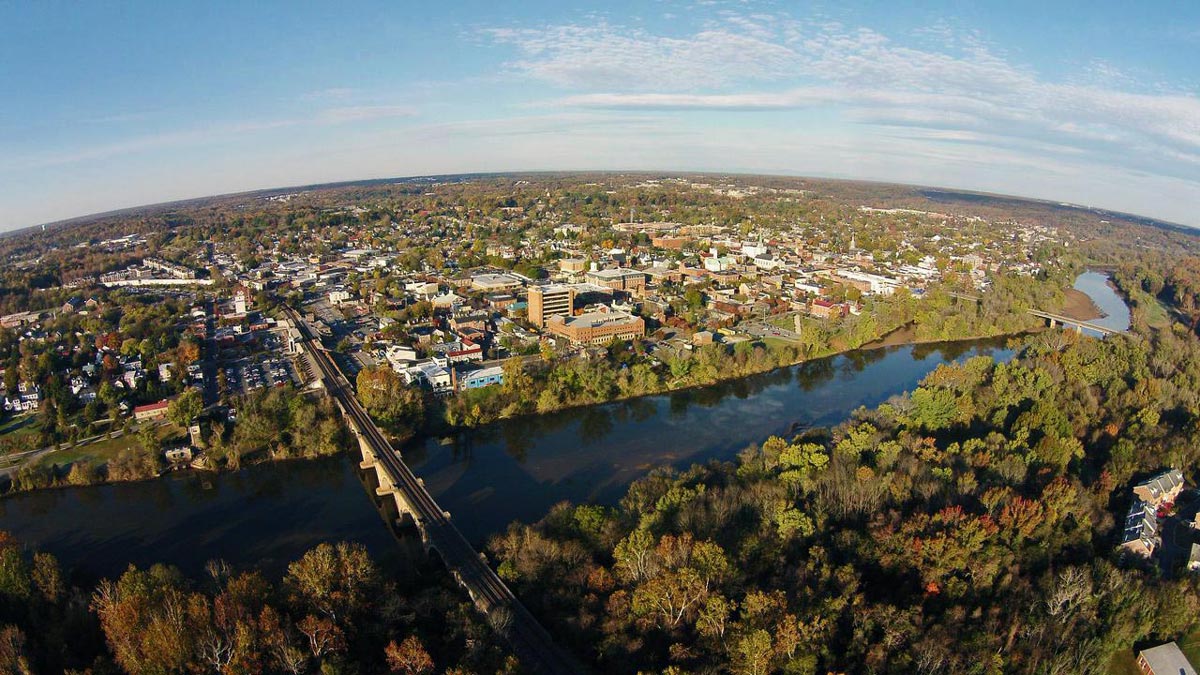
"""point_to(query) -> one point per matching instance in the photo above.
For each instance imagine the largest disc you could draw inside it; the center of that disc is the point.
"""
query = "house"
(1164, 660)
(29, 397)
(151, 411)
(1161, 489)
(1140, 535)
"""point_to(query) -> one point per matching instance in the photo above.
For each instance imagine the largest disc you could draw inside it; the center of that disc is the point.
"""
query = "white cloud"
(748, 63)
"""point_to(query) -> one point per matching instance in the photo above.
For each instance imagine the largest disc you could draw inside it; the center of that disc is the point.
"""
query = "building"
(241, 300)
(494, 283)
(619, 279)
(572, 265)
(548, 301)
(484, 377)
(823, 309)
(178, 455)
(597, 328)
(1164, 660)
(29, 397)
(431, 374)
(1161, 489)
(673, 243)
(151, 411)
(1140, 535)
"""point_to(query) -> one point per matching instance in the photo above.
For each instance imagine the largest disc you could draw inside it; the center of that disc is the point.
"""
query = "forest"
(968, 527)
(333, 611)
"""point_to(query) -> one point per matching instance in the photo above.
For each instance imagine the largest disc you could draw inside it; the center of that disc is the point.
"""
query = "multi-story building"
(597, 328)
(548, 301)
(619, 279)
(572, 265)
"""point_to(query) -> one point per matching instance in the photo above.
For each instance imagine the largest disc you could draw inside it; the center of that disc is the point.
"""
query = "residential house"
(1164, 660)
(1161, 489)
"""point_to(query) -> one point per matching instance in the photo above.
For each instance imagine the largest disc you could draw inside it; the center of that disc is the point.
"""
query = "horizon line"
(1191, 229)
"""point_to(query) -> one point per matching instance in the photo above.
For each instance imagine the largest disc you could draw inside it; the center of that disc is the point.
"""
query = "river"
(1097, 287)
(269, 514)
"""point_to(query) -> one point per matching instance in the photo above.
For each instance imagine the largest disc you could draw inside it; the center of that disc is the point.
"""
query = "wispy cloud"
(340, 115)
(749, 63)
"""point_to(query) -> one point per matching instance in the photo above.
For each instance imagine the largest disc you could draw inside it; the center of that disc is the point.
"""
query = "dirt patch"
(1080, 307)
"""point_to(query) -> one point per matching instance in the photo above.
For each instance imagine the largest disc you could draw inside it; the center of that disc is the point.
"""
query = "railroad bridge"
(528, 639)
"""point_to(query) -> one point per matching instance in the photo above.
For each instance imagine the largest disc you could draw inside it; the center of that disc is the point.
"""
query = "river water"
(270, 514)
(1098, 288)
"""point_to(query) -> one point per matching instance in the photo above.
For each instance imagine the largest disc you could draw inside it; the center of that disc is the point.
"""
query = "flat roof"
(597, 319)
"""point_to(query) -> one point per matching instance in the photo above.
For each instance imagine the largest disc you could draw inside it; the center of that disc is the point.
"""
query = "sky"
(106, 105)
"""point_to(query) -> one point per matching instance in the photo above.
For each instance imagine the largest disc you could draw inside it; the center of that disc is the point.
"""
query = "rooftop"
(1167, 660)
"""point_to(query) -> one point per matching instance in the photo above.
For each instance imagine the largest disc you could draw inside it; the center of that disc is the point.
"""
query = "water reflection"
(518, 468)
(512, 470)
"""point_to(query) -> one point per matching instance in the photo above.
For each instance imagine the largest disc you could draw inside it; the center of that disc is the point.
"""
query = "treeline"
(626, 370)
(277, 423)
(274, 423)
(968, 527)
(334, 611)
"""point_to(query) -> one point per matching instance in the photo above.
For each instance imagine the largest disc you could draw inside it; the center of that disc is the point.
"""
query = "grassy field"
(1190, 646)
(24, 425)
(104, 450)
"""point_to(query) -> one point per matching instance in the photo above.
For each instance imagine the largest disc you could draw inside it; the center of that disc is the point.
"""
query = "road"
(531, 643)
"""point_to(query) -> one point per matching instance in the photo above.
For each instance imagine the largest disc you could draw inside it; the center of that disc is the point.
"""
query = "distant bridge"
(528, 639)
(1052, 319)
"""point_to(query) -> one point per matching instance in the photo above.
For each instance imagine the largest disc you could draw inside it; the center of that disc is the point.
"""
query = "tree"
(396, 406)
(185, 407)
(336, 580)
(188, 352)
(408, 657)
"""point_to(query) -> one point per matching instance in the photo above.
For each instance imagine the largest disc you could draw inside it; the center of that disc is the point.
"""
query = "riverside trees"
(968, 527)
(335, 611)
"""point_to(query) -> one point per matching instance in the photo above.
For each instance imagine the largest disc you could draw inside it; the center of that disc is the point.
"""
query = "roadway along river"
(512, 470)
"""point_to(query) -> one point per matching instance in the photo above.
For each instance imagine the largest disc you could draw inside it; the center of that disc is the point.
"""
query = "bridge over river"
(1053, 319)
(528, 639)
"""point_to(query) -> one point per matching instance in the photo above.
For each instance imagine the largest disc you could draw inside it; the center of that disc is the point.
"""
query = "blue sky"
(109, 105)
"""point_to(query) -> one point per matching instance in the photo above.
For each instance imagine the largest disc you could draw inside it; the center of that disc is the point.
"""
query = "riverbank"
(514, 470)
(727, 371)
(1080, 307)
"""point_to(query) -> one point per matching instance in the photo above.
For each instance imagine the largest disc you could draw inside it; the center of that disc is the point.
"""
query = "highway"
(529, 641)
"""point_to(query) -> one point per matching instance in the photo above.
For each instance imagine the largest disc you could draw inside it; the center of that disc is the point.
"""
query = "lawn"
(106, 449)
(1155, 312)
(1190, 646)
(22, 425)
(1123, 663)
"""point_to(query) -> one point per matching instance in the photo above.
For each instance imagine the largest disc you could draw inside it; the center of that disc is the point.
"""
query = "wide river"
(512, 470)
(270, 514)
